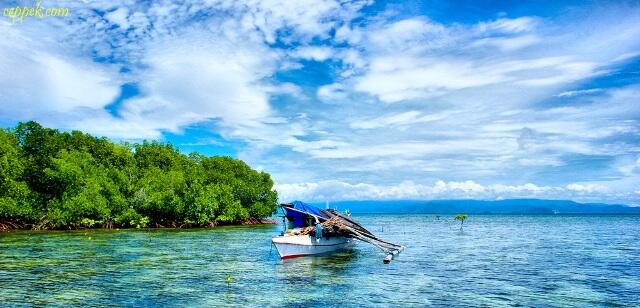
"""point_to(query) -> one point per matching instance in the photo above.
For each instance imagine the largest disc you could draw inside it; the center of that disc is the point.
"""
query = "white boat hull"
(292, 246)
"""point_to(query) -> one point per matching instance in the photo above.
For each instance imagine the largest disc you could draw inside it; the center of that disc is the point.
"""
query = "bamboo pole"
(390, 252)
(357, 231)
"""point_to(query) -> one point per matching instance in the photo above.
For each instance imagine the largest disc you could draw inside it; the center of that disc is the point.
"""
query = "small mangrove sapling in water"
(461, 218)
(229, 279)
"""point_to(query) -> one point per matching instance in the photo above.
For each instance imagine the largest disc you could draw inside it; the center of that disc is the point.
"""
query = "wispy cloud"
(578, 92)
(404, 118)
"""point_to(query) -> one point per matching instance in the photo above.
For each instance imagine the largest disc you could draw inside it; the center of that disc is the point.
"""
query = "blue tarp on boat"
(299, 219)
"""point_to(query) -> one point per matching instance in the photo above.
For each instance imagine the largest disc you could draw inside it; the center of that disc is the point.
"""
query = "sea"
(492, 261)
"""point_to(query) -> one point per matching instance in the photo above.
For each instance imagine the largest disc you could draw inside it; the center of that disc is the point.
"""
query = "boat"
(295, 242)
(312, 231)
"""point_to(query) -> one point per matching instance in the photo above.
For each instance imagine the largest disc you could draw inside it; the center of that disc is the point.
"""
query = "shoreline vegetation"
(72, 180)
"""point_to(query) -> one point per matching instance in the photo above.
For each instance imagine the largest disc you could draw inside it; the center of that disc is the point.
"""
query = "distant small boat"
(315, 231)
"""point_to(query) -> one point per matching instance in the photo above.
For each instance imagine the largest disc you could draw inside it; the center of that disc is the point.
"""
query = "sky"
(350, 100)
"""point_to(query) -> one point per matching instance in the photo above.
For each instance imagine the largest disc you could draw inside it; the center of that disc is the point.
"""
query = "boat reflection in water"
(306, 270)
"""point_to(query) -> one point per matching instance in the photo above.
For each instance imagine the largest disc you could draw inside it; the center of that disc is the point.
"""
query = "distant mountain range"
(510, 206)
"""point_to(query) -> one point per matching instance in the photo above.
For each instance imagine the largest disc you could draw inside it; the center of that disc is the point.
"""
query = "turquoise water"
(498, 260)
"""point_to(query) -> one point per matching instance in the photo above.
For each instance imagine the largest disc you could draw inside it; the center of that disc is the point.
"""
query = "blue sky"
(346, 100)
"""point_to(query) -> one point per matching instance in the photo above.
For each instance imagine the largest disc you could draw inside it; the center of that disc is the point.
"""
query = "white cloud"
(578, 92)
(413, 149)
(102, 123)
(195, 77)
(508, 43)
(37, 79)
(306, 18)
(218, 79)
(397, 78)
(630, 168)
(404, 118)
(506, 25)
(286, 88)
(536, 162)
(119, 17)
(332, 92)
(337, 191)
(407, 33)
(411, 59)
(316, 53)
(587, 188)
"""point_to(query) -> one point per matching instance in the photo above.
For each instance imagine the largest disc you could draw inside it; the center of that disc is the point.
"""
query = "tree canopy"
(53, 179)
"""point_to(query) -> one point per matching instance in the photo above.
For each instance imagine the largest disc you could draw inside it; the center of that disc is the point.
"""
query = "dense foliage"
(53, 179)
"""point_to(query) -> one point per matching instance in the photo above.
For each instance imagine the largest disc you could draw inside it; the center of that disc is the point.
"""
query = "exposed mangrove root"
(259, 221)
(9, 225)
(42, 226)
(45, 224)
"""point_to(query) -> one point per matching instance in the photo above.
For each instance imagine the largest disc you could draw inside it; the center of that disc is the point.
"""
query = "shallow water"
(498, 260)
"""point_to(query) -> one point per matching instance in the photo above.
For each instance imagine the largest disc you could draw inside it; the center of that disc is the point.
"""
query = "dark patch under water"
(498, 260)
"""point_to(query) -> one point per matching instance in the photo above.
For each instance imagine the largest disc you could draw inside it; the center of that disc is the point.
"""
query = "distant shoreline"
(500, 214)
(482, 207)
